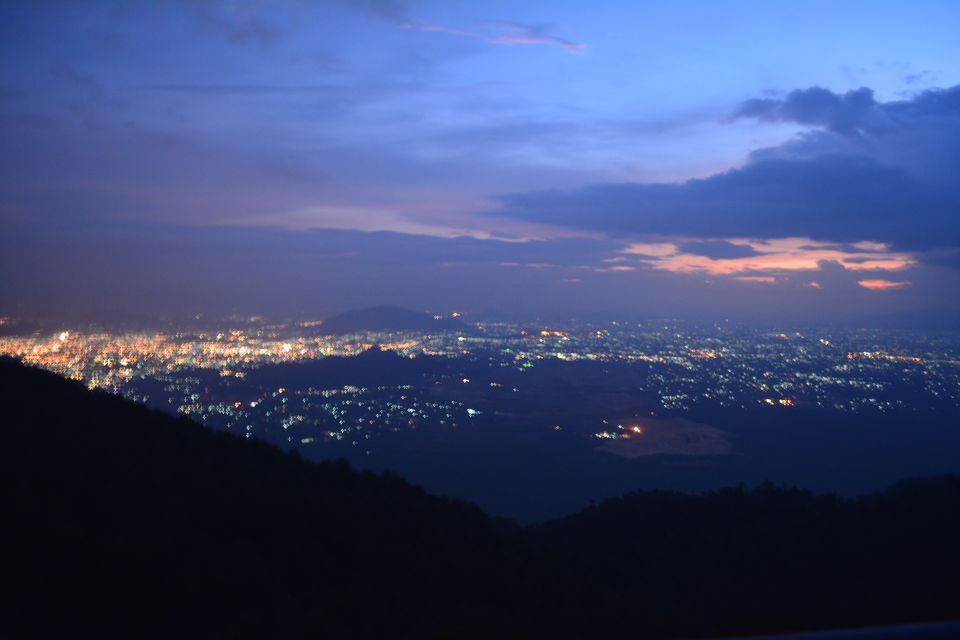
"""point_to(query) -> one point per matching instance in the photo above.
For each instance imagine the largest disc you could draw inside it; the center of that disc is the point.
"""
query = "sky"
(787, 160)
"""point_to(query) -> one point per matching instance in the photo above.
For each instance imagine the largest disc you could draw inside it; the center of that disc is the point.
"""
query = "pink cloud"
(775, 255)
(883, 285)
(509, 33)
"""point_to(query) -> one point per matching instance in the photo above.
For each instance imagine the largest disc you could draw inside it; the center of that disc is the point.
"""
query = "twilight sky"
(708, 159)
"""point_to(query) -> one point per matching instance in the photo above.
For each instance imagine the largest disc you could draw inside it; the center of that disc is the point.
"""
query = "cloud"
(242, 23)
(244, 89)
(814, 106)
(882, 285)
(84, 265)
(615, 268)
(914, 78)
(840, 199)
(371, 90)
(502, 32)
(66, 72)
(867, 171)
(156, 267)
(386, 9)
(516, 33)
(718, 249)
(760, 260)
(652, 249)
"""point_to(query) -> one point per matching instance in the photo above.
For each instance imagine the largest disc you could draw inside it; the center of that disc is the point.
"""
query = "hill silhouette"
(130, 523)
(796, 560)
(124, 522)
(368, 368)
(386, 319)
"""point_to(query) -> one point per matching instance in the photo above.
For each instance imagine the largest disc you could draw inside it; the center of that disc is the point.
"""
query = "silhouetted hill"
(123, 522)
(796, 560)
(386, 319)
(369, 368)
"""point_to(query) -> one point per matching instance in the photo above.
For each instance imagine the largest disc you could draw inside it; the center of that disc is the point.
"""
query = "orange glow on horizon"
(767, 279)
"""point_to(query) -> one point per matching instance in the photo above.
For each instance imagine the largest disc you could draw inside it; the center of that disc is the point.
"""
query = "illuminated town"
(683, 368)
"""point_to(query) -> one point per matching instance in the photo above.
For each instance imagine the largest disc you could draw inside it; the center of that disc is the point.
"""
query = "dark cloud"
(943, 257)
(914, 78)
(371, 90)
(839, 198)
(242, 23)
(894, 181)
(245, 89)
(842, 113)
(718, 250)
(389, 10)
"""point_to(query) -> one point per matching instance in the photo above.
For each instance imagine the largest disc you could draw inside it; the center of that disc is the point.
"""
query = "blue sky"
(757, 152)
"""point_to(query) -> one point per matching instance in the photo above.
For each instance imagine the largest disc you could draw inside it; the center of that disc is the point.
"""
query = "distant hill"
(124, 522)
(386, 319)
(369, 368)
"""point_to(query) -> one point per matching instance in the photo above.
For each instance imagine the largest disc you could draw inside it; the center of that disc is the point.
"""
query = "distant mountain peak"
(387, 318)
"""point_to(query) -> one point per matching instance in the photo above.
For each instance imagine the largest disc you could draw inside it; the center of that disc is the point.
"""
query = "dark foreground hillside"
(122, 522)
(737, 562)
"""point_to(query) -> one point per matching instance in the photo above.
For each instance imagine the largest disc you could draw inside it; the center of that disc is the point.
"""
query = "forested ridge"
(124, 522)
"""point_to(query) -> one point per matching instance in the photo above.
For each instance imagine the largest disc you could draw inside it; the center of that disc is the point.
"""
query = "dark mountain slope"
(774, 558)
(122, 522)
(125, 522)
